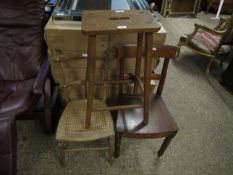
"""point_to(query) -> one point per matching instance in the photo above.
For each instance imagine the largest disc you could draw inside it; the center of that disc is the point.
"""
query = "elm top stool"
(108, 22)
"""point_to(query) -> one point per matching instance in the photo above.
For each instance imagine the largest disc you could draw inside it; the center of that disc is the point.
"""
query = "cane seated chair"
(72, 127)
(130, 121)
(210, 42)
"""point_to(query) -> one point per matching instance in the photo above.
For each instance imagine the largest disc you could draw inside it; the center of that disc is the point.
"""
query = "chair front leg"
(111, 148)
(165, 144)
(118, 139)
(177, 56)
(61, 153)
(207, 71)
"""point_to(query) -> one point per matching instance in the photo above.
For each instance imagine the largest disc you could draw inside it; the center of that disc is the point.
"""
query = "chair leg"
(223, 58)
(111, 148)
(177, 56)
(48, 107)
(117, 144)
(61, 152)
(207, 71)
(165, 144)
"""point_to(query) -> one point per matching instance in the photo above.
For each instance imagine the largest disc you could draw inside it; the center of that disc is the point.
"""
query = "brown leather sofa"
(24, 71)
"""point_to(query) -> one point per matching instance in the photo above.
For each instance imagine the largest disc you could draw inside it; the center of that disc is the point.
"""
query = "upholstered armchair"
(24, 71)
(210, 42)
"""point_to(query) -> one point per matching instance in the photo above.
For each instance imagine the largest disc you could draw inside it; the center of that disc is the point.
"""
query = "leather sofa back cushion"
(22, 46)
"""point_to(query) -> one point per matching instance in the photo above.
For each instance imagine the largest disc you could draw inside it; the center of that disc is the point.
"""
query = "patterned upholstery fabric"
(207, 42)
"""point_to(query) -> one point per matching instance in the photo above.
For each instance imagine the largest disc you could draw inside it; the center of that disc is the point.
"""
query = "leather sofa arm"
(42, 75)
(7, 144)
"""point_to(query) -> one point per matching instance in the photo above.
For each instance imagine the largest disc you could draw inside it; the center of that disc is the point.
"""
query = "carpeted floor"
(202, 109)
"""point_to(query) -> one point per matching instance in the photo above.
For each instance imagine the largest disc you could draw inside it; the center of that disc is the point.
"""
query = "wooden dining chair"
(130, 121)
(72, 130)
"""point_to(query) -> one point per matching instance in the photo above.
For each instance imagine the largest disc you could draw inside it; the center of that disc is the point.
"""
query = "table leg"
(147, 73)
(91, 63)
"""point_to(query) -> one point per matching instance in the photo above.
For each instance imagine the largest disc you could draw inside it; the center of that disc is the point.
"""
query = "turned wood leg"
(61, 152)
(111, 148)
(117, 144)
(165, 144)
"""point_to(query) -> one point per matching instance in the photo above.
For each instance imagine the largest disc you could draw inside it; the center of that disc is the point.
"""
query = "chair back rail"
(160, 51)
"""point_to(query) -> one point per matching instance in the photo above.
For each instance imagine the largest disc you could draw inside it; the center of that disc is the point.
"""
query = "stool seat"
(71, 126)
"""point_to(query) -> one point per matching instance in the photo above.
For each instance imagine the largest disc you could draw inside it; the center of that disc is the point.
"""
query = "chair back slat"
(160, 51)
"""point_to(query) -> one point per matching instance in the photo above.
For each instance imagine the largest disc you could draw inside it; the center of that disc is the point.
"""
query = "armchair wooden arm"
(222, 25)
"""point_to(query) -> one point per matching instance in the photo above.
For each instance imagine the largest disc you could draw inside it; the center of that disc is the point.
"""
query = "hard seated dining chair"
(24, 71)
(130, 121)
(211, 43)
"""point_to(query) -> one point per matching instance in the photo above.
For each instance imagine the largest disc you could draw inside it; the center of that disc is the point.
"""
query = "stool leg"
(147, 74)
(138, 60)
(91, 63)
(117, 144)
(165, 144)
(122, 73)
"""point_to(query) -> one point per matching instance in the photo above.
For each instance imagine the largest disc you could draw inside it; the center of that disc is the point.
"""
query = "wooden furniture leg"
(90, 77)
(117, 144)
(147, 73)
(165, 144)
(61, 149)
(138, 59)
(111, 148)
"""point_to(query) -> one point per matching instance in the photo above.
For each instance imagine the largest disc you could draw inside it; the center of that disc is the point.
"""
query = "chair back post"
(168, 52)
(56, 61)
(228, 37)
(163, 76)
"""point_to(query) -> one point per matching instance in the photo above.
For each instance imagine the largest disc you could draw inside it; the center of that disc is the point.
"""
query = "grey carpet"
(201, 107)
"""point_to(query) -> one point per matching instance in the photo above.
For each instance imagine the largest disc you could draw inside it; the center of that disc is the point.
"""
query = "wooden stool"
(107, 22)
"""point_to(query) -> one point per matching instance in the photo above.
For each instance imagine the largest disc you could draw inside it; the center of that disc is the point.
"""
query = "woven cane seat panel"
(71, 126)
